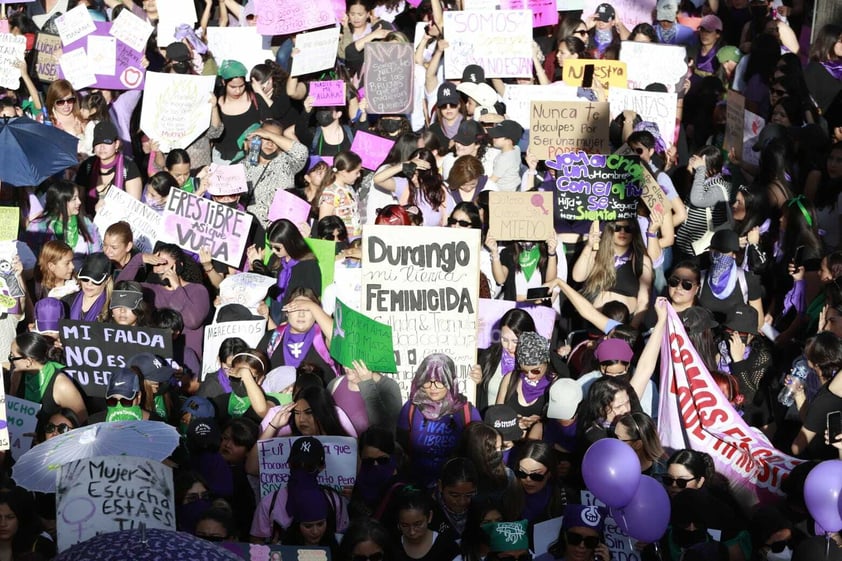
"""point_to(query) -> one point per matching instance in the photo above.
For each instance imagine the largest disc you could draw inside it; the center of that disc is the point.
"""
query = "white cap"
(565, 396)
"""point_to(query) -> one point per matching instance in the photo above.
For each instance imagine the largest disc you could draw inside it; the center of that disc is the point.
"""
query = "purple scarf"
(796, 298)
(224, 381)
(507, 363)
(834, 67)
(92, 313)
(284, 276)
(451, 130)
(96, 171)
(723, 276)
(530, 392)
(296, 346)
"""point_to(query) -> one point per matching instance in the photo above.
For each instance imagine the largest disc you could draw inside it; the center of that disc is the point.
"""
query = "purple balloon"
(611, 471)
(647, 516)
(821, 494)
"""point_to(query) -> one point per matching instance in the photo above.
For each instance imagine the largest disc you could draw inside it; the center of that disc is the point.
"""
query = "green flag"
(358, 337)
(325, 252)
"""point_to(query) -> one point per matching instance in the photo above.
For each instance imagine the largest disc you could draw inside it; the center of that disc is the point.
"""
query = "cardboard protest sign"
(22, 416)
(557, 127)
(389, 69)
(372, 149)
(499, 41)
(427, 289)
(171, 14)
(735, 106)
(657, 107)
(74, 24)
(93, 350)
(120, 206)
(596, 186)
(193, 222)
(75, 66)
(226, 179)
(115, 65)
(340, 462)
(289, 206)
(327, 93)
(131, 30)
(46, 63)
(283, 17)
(490, 312)
(325, 252)
(316, 51)
(12, 48)
(244, 44)
(8, 251)
(109, 494)
(584, 73)
(9, 222)
(669, 70)
(630, 12)
(544, 12)
(248, 289)
(519, 97)
(520, 216)
(358, 337)
(651, 193)
(250, 331)
(176, 108)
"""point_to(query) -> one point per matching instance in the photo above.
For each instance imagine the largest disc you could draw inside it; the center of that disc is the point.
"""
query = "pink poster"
(286, 205)
(371, 148)
(544, 12)
(284, 17)
(328, 93)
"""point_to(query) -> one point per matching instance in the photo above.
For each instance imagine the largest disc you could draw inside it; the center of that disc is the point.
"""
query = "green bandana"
(160, 406)
(122, 413)
(36, 384)
(189, 186)
(71, 237)
(507, 536)
(237, 406)
(528, 261)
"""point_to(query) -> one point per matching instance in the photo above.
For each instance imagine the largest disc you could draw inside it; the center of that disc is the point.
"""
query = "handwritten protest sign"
(226, 179)
(340, 462)
(596, 186)
(75, 66)
(490, 312)
(49, 51)
(639, 57)
(248, 289)
(22, 416)
(325, 252)
(8, 252)
(630, 12)
(109, 494)
(9, 222)
(651, 193)
(499, 41)
(427, 290)
(171, 14)
(120, 206)
(372, 149)
(620, 545)
(74, 24)
(544, 12)
(389, 69)
(587, 73)
(93, 351)
(131, 30)
(358, 337)
(243, 44)
(12, 48)
(657, 107)
(283, 17)
(193, 222)
(289, 206)
(328, 93)
(735, 106)
(116, 65)
(176, 108)
(316, 51)
(250, 331)
(519, 97)
(557, 127)
(520, 216)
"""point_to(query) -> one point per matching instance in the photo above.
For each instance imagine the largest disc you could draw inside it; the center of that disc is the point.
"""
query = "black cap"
(105, 133)
(96, 268)
(506, 129)
(178, 52)
(605, 12)
(307, 452)
(725, 241)
(153, 367)
(473, 73)
(234, 312)
(447, 94)
(503, 419)
(469, 133)
(696, 319)
(770, 132)
(743, 319)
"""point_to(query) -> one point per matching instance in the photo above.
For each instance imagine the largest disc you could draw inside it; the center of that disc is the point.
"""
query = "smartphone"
(834, 425)
(540, 293)
(798, 258)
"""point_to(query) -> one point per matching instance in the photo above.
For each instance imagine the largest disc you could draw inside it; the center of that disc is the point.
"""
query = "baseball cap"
(178, 52)
(711, 23)
(96, 268)
(503, 419)
(725, 241)
(105, 133)
(506, 129)
(728, 53)
(130, 299)
(153, 367)
(565, 396)
(605, 12)
(203, 432)
(234, 312)
(473, 73)
(48, 312)
(743, 319)
(307, 452)
(613, 349)
(123, 383)
(447, 94)
(666, 10)
(198, 407)
(468, 133)
(697, 318)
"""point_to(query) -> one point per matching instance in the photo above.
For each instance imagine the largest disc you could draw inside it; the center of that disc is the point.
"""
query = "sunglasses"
(677, 481)
(686, 284)
(463, 223)
(533, 371)
(93, 281)
(778, 547)
(61, 428)
(373, 557)
(11, 358)
(574, 538)
(521, 557)
(66, 101)
(449, 106)
(113, 401)
(623, 228)
(379, 461)
(537, 477)
(193, 497)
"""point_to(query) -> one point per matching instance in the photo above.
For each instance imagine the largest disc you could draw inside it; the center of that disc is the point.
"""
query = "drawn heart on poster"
(131, 77)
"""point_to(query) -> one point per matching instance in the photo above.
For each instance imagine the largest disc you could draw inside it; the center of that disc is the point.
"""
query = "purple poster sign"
(490, 312)
(106, 52)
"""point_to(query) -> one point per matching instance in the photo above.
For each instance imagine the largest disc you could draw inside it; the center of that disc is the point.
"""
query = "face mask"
(373, 480)
(324, 118)
(686, 538)
(390, 125)
(156, 205)
(271, 156)
(784, 555)
(122, 413)
(188, 515)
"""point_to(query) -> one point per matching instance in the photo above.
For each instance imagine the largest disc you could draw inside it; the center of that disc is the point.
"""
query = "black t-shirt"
(721, 308)
(816, 421)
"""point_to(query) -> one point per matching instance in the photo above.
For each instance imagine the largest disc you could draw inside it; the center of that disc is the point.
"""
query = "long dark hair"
(430, 181)
(186, 268)
(29, 525)
(600, 396)
(284, 232)
(363, 530)
(59, 193)
(324, 411)
(37, 347)
(519, 322)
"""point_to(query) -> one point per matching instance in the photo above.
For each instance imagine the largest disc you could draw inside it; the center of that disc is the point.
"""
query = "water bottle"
(794, 381)
(254, 149)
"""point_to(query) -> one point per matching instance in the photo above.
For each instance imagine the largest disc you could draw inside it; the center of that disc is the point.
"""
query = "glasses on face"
(215, 539)
(60, 428)
(575, 538)
(537, 477)
(193, 497)
(778, 547)
(449, 106)
(670, 481)
(379, 461)
(686, 284)
(439, 385)
(92, 281)
(12, 358)
(533, 371)
(463, 223)
(113, 401)
(623, 228)
(378, 556)
(65, 101)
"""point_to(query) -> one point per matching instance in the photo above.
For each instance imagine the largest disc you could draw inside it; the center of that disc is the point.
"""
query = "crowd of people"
(747, 251)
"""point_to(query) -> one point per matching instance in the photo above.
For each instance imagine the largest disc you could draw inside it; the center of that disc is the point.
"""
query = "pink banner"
(544, 12)
(694, 413)
(371, 148)
(490, 312)
(286, 205)
(328, 93)
(283, 17)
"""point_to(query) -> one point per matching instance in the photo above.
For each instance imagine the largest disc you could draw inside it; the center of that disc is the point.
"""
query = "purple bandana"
(834, 67)
(530, 392)
(284, 276)
(296, 346)
(224, 381)
(723, 276)
(507, 363)
(92, 313)
(796, 298)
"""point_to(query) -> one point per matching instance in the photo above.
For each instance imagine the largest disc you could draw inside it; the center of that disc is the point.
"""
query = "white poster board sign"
(131, 30)
(12, 48)
(248, 289)
(316, 51)
(22, 416)
(176, 108)
(171, 14)
(499, 41)
(250, 331)
(641, 69)
(120, 206)
(519, 97)
(340, 462)
(658, 107)
(244, 44)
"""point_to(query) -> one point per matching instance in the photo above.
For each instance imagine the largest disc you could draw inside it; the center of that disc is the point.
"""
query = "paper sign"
(176, 108)
(480, 5)
(76, 67)
(521, 216)
(557, 127)
(639, 57)
(250, 331)
(92, 351)
(102, 51)
(596, 187)
(74, 24)
(49, 51)
(131, 30)
(325, 252)
(328, 93)
(388, 70)
(630, 12)
(652, 195)
(120, 206)
(358, 337)
(316, 51)
(490, 312)
(545, 534)
(289, 206)
(112, 493)
(258, 552)
(22, 416)
(425, 287)
(127, 72)
(171, 14)
(58, 8)
(657, 107)
(193, 222)
(9, 222)
(499, 41)
(584, 73)
(371, 148)
(12, 48)
(248, 289)
(226, 180)
(8, 252)
(284, 17)
(340, 462)
(544, 12)
(519, 97)
(734, 121)
(752, 125)
(243, 44)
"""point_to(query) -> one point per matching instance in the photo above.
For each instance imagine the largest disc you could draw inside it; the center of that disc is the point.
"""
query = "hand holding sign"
(593, 235)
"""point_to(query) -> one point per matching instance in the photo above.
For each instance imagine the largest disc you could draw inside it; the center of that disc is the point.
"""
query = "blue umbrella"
(30, 152)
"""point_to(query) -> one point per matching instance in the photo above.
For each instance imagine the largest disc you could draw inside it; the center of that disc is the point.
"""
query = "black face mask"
(390, 126)
(686, 538)
(271, 156)
(324, 118)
